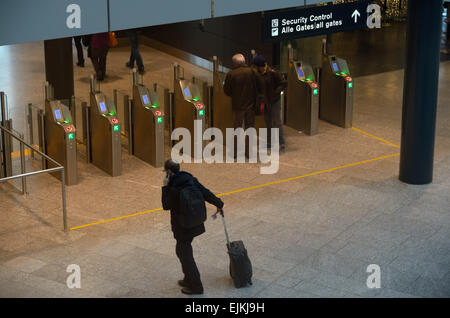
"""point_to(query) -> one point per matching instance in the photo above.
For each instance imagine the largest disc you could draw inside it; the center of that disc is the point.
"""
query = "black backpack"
(192, 210)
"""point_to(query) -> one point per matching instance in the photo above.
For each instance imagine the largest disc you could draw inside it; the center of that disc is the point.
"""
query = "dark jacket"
(171, 201)
(100, 40)
(243, 86)
(274, 84)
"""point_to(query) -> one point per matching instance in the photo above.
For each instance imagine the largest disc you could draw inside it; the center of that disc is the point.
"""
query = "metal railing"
(24, 174)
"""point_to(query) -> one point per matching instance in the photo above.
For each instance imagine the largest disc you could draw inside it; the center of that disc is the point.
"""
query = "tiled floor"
(308, 237)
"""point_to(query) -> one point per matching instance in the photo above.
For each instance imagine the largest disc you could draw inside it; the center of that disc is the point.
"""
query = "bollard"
(130, 127)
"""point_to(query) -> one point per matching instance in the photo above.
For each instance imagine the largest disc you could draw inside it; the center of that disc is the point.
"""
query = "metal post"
(209, 101)
(135, 77)
(47, 94)
(172, 116)
(318, 72)
(283, 106)
(8, 147)
(420, 91)
(3, 140)
(42, 136)
(73, 108)
(93, 83)
(175, 71)
(115, 97)
(30, 125)
(210, 106)
(178, 72)
(126, 109)
(63, 186)
(290, 53)
(87, 129)
(22, 166)
(215, 64)
(130, 127)
(168, 121)
(83, 119)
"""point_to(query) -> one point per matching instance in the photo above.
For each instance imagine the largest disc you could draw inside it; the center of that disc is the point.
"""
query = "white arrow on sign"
(355, 15)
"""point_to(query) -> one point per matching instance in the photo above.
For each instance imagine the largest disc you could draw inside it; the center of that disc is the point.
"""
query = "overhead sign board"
(142, 13)
(293, 24)
(36, 20)
(231, 7)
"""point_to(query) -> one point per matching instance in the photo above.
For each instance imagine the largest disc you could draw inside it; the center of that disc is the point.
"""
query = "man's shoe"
(183, 283)
(192, 291)
(127, 64)
(141, 72)
(80, 64)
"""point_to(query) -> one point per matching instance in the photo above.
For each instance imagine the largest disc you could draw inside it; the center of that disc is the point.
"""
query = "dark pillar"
(276, 53)
(59, 67)
(420, 91)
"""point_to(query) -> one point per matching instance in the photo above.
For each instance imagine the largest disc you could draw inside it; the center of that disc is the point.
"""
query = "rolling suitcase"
(240, 265)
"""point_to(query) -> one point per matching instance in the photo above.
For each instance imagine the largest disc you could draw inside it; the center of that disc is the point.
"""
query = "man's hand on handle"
(219, 210)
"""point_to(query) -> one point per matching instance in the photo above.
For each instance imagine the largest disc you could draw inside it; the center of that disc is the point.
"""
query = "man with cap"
(174, 182)
(274, 84)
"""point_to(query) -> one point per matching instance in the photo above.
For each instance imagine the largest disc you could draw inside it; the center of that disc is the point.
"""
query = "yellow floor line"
(16, 154)
(250, 188)
(378, 138)
(114, 219)
(310, 174)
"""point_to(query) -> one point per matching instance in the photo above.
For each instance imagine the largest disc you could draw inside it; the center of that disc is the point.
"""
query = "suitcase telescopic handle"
(220, 211)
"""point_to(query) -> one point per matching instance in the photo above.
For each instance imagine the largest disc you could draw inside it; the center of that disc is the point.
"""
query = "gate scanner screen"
(58, 114)
(187, 92)
(145, 99)
(300, 73)
(335, 67)
(102, 107)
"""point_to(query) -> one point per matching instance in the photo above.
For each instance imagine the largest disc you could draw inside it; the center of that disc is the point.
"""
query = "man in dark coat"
(243, 86)
(174, 182)
(274, 84)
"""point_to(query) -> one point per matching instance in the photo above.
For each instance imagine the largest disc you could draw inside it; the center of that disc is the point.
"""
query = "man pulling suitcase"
(185, 197)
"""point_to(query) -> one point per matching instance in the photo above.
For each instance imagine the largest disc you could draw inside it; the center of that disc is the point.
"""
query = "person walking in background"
(80, 54)
(135, 55)
(182, 194)
(99, 46)
(86, 40)
(274, 84)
